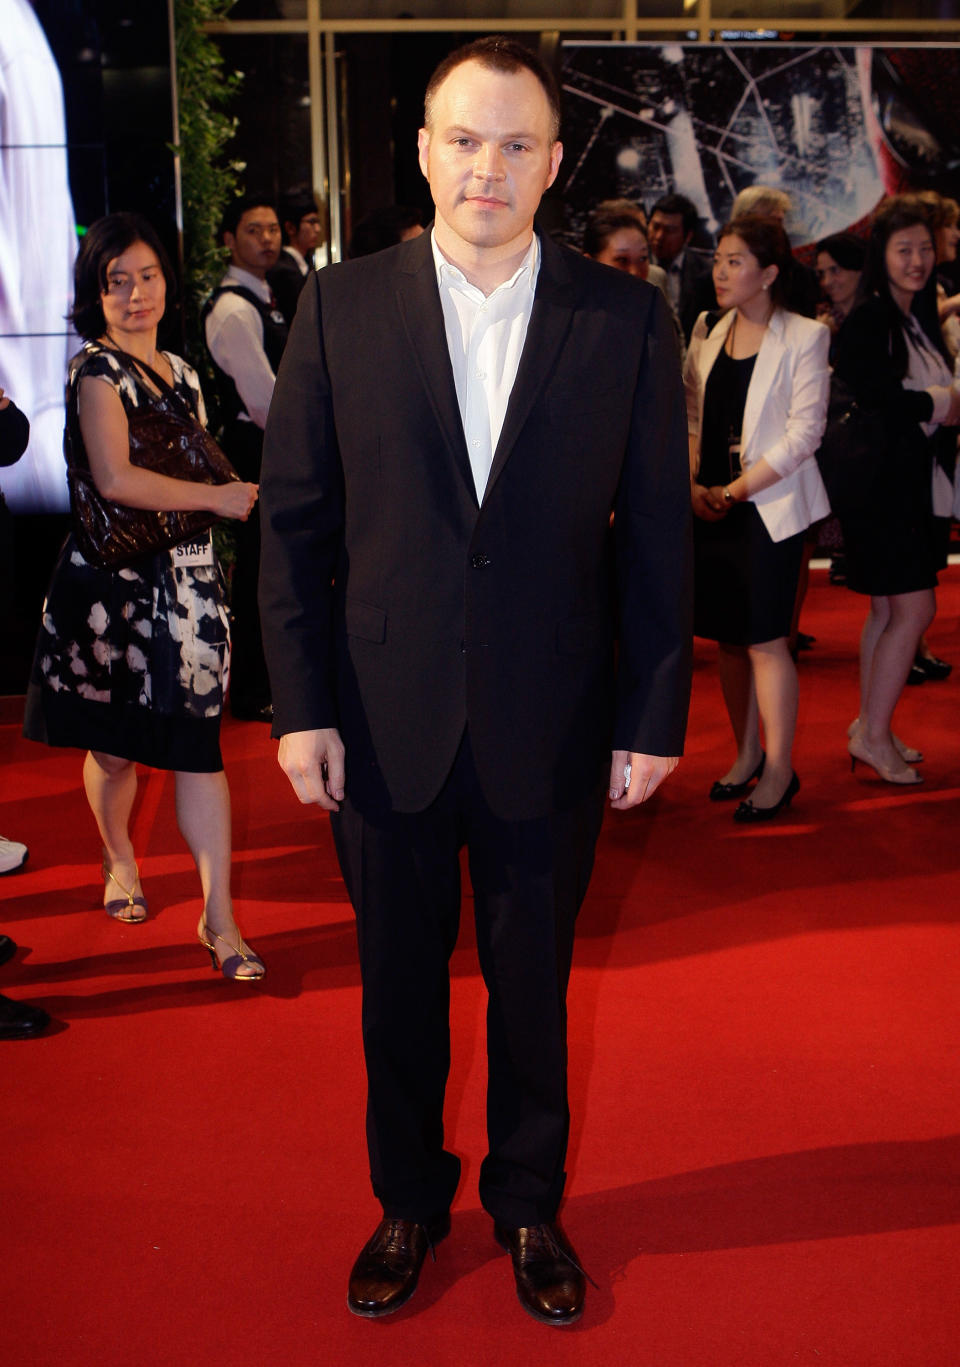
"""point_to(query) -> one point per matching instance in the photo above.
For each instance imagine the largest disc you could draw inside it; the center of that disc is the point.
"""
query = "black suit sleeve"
(301, 515)
(14, 434)
(652, 530)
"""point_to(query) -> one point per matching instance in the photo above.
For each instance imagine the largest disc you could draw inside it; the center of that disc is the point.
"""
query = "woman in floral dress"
(131, 664)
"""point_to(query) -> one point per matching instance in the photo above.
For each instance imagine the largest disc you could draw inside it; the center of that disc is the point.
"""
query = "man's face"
(488, 156)
(305, 236)
(255, 246)
(666, 236)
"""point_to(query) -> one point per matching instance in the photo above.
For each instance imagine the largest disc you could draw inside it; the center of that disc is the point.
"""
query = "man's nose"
(487, 164)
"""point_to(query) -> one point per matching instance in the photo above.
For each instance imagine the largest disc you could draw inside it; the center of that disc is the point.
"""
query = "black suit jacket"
(697, 294)
(286, 281)
(397, 609)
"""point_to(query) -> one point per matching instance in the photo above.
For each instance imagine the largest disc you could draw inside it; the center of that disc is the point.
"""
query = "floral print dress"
(133, 662)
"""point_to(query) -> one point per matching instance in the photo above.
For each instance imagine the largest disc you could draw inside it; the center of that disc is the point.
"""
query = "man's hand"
(647, 772)
(313, 762)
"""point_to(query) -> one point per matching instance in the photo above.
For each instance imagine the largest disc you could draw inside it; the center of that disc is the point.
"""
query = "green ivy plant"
(208, 180)
(208, 176)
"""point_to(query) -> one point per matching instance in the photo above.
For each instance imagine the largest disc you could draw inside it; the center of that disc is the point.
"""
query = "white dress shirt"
(485, 337)
(234, 332)
(299, 257)
(926, 369)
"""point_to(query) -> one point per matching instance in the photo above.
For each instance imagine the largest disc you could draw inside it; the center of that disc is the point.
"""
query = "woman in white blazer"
(757, 386)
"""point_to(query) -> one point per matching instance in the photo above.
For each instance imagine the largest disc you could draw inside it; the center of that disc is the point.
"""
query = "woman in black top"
(890, 354)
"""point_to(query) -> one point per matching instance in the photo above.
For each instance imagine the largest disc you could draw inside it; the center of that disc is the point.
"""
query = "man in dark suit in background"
(18, 1020)
(673, 221)
(454, 421)
(245, 334)
(303, 230)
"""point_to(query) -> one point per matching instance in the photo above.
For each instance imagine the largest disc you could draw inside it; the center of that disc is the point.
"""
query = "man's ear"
(556, 156)
(423, 149)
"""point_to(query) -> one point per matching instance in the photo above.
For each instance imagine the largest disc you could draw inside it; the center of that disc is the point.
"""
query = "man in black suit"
(454, 421)
(303, 230)
(673, 221)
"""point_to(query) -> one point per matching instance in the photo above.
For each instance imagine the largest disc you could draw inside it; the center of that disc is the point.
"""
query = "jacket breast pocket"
(365, 621)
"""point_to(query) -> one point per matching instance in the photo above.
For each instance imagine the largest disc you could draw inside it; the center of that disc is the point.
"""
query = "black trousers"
(529, 879)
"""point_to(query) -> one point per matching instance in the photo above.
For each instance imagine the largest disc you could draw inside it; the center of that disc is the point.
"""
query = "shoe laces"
(397, 1235)
(541, 1239)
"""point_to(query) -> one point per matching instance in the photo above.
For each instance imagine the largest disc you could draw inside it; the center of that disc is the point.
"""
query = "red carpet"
(765, 1165)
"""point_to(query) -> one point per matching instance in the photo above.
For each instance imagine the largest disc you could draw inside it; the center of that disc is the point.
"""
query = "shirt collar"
(298, 256)
(528, 269)
(236, 275)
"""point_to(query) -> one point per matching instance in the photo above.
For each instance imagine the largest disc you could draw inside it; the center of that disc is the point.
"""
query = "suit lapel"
(549, 323)
(418, 300)
(764, 371)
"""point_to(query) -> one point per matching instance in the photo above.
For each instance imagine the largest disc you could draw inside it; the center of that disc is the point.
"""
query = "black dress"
(890, 538)
(132, 662)
(745, 583)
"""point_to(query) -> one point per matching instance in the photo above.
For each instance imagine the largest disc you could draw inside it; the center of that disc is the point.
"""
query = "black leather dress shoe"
(551, 1284)
(20, 1020)
(7, 949)
(385, 1275)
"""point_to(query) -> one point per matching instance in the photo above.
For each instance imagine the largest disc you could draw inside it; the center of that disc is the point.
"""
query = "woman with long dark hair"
(131, 663)
(840, 260)
(757, 386)
(890, 353)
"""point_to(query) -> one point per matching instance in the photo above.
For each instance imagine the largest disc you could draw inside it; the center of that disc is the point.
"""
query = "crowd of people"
(441, 519)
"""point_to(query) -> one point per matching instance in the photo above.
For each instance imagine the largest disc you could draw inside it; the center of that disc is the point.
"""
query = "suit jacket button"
(480, 562)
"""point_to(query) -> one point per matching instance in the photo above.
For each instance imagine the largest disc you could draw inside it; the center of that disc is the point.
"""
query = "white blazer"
(785, 413)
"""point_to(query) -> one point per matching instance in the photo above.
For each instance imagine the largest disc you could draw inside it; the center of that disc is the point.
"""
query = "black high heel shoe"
(748, 812)
(932, 667)
(724, 792)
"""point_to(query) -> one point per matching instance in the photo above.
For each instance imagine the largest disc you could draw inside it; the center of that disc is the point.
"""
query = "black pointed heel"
(747, 812)
(725, 792)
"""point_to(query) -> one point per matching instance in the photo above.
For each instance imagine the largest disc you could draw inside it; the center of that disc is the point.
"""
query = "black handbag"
(853, 450)
(165, 437)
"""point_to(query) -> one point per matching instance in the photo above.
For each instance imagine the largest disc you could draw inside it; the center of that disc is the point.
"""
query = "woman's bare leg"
(875, 623)
(111, 786)
(203, 815)
(777, 691)
(909, 616)
(736, 682)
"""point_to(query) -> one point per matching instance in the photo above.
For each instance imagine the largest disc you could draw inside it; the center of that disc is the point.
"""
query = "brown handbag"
(165, 437)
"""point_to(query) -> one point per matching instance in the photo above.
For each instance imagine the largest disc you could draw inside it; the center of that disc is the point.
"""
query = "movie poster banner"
(837, 127)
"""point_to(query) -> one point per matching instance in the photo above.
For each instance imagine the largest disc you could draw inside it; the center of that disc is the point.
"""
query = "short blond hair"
(763, 201)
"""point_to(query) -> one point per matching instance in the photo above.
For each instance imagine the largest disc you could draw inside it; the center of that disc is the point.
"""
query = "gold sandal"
(119, 905)
(233, 962)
